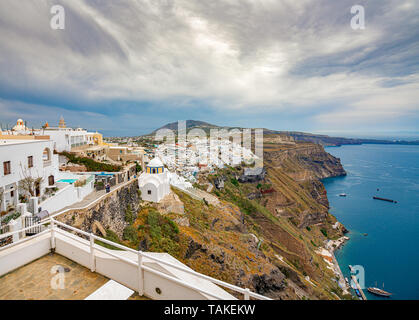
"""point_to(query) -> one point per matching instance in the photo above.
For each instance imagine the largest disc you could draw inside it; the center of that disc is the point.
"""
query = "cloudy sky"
(127, 67)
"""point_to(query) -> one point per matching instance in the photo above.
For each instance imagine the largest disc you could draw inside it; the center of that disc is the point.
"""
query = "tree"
(29, 183)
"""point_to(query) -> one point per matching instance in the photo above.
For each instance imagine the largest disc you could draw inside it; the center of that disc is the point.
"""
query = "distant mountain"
(323, 140)
(189, 124)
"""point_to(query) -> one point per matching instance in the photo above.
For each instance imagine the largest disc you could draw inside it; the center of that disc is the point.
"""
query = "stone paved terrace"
(33, 281)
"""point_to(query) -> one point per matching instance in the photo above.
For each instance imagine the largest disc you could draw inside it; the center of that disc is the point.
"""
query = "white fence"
(137, 270)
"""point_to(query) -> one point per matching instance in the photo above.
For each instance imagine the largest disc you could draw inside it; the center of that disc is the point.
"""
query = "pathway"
(93, 198)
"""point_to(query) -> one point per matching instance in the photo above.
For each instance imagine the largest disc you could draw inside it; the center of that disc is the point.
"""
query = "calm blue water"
(390, 252)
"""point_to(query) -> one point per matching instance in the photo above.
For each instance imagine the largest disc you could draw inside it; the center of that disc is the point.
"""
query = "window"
(51, 180)
(46, 156)
(149, 192)
(7, 168)
(30, 162)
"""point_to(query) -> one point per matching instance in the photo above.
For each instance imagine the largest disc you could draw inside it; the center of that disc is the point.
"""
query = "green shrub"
(138, 168)
(308, 228)
(163, 233)
(153, 222)
(129, 215)
(324, 231)
(90, 164)
(9, 218)
(130, 234)
(173, 225)
(234, 182)
(111, 236)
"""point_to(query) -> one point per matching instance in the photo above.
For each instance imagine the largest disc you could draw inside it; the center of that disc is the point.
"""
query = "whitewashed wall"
(67, 197)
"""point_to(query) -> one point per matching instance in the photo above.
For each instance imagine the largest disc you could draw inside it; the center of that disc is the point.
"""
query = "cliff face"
(109, 214)
(287, 211)
(303, 161)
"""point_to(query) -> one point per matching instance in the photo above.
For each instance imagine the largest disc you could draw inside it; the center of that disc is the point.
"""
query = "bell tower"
(61, 124)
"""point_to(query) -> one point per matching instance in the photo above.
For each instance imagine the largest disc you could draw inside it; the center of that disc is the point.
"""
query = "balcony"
(156, 276)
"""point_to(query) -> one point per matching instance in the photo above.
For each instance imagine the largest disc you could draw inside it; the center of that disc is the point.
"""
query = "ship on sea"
(379, 292)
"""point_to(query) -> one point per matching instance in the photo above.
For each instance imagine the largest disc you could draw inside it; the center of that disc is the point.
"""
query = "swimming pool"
(70, 181)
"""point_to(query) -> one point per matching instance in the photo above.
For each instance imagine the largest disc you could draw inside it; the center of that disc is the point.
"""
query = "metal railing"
(56, 227)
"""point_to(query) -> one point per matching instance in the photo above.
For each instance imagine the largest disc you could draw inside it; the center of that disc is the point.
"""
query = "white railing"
(54, 227)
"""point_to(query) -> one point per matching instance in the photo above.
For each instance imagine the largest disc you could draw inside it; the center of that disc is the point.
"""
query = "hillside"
(323, 140)
(190, 124)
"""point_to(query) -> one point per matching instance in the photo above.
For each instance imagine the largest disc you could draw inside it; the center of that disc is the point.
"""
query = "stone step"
(111, 290)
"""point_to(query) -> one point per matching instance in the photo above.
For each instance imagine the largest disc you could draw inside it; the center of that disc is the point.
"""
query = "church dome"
(155, 166)
(156, 162)
(20, 126)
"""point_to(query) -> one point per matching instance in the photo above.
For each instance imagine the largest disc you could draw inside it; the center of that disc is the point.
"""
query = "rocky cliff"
(303, 161)
(108, 214)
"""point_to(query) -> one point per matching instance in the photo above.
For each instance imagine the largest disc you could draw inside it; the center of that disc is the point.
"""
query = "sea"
(384, 236)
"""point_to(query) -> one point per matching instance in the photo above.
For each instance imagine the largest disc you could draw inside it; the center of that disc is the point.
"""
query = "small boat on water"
(379, 292)
(342, 195)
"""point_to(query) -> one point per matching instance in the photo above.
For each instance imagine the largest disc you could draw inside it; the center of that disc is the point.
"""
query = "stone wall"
(109, 213)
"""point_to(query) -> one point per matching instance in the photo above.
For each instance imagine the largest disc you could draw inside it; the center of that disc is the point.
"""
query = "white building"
(21, 159)
(67, 138)
(154, 182)
(20, 127)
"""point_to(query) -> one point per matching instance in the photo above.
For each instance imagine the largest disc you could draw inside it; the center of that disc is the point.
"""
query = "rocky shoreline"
(328, 254)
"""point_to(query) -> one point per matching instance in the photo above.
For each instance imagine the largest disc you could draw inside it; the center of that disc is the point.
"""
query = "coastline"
(328, 255)
(336, 245)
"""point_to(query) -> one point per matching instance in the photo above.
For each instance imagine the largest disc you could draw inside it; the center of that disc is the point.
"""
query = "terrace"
(24, 267)
(33, 281)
